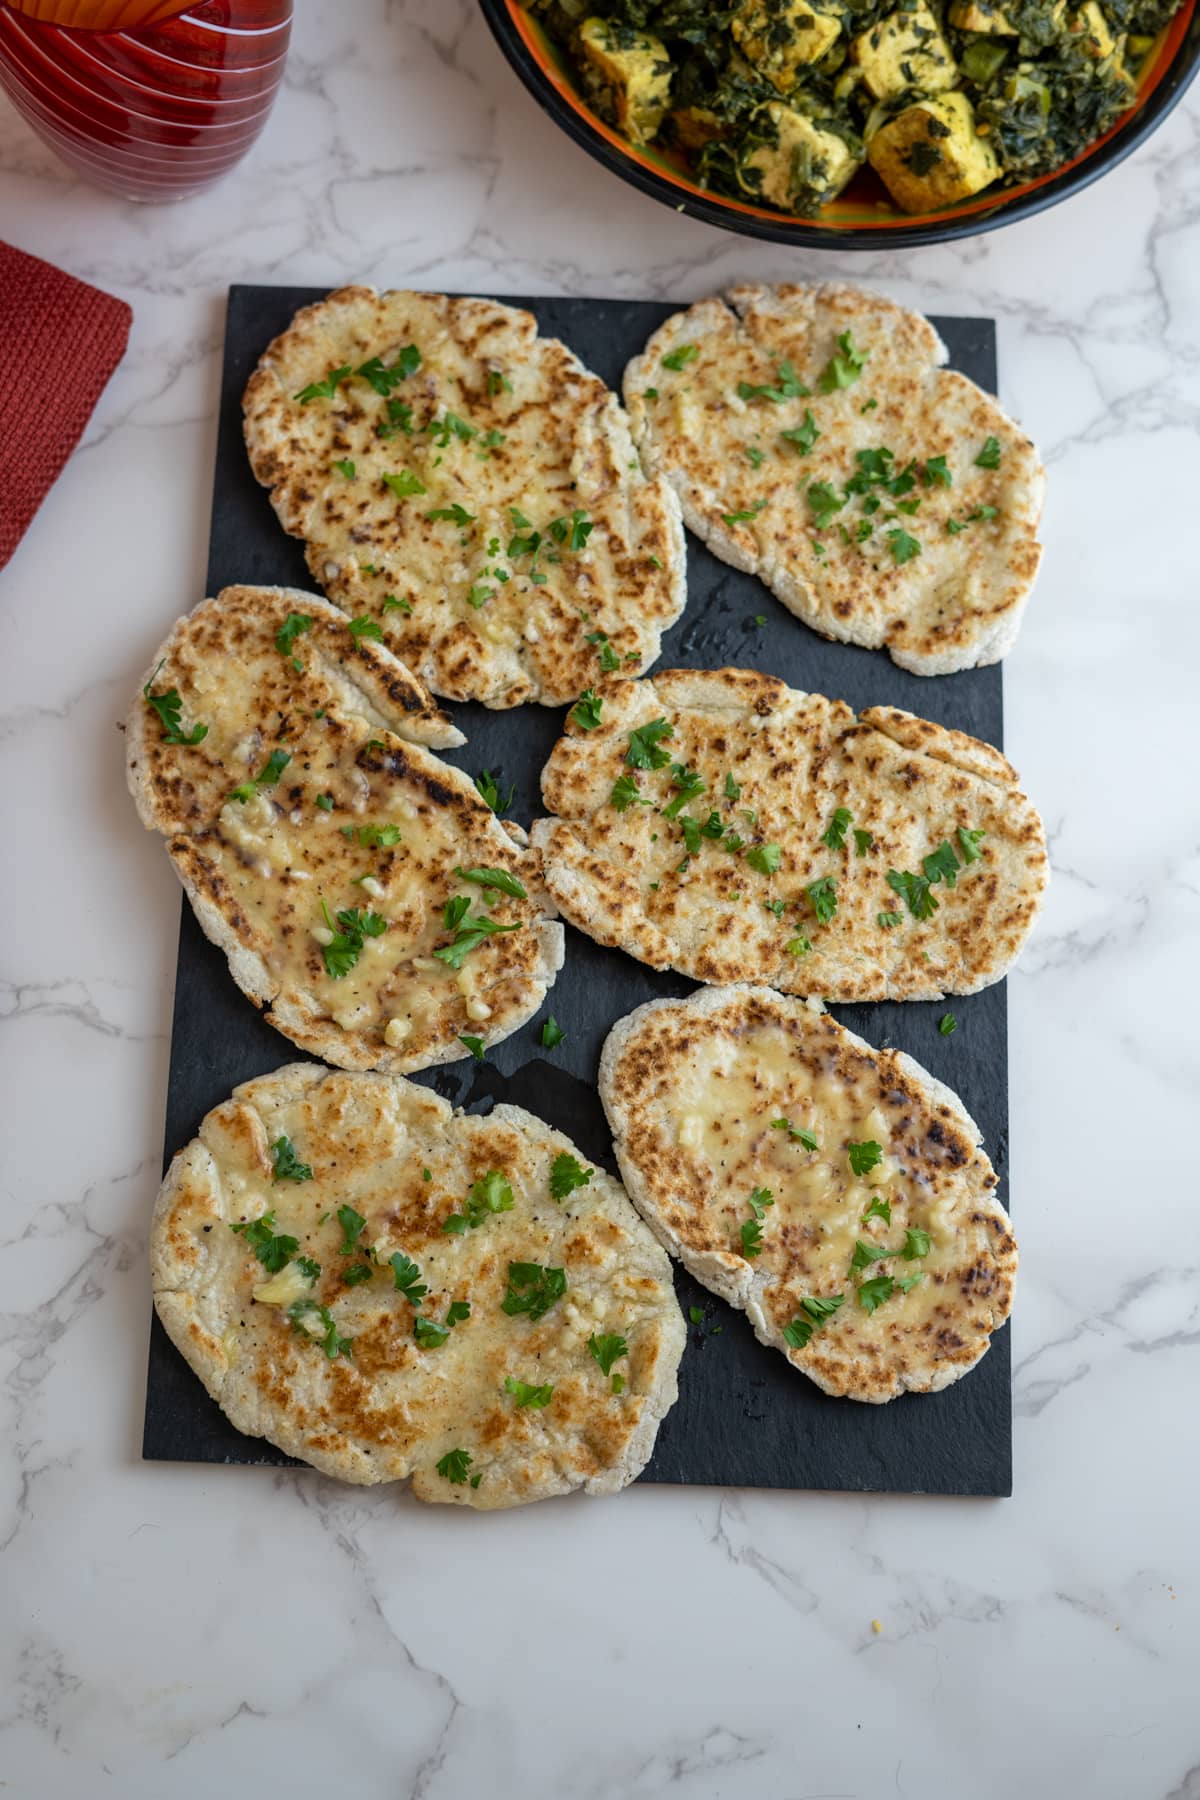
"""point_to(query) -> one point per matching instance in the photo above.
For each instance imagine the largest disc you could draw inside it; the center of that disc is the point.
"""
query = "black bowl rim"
(1146, 120)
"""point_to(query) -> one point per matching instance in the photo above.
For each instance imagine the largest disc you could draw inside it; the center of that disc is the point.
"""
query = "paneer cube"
(929, 155)
(805, 166)
(627, 75)
(782, 37)
(1089, 29)
(904, 51)
(981, 15)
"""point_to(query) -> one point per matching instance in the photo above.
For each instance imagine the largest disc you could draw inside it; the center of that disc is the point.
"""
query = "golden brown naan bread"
(419, 494)
(941, 584)
(314, 1342)
(307, 824)
(736, 1115)
(746, 903)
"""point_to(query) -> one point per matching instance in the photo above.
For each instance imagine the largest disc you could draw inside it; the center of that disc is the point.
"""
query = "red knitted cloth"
(60, 340)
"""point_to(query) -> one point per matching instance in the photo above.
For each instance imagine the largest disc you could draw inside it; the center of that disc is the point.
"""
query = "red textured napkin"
(60, 340)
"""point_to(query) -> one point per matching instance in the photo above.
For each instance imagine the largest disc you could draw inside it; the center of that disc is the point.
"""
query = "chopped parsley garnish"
(490, 793)
(936, 473)
(903, 546)
(947, 1023)
(353, 1225)
(814, 1310)
(825, 502)
(878, 1209)
(864, 1156)
(380, 837)
(989, 456)
(272, 1250)
(288, 1166)
(490, 1194)
(346, 468)
(267, 776)
(607, 1349)
(609, 660)
(324, 1331)
(552, 1033)
(874, 1292)
(915, 891)
(456, 514)
(526, 1394)
(442, 429)
(909, 1281)
(346, 945)
(866, 1254)
(822, 896)
(572, 533)
(407, 1277)
(586, 711)
(680, 357)
(325, 802)
(364, 627)
(566, 1174)
(751, 1235)
(863, 841)
(498, 382)
(805, 1137)
(503, 879)
(626, 793)
(474, 1045)
(169, 707)
(689, 784)
(844, 367)
(733, 789)
(428, 1333)
(742, 518)
(643, 751)
(941, 865)
(356, 1273)
(834, 834)
(393, 603)
(532, 1289)
(324, 390)
(787, 387)
(696, 1314)
(803, 436)
(755, 456)
(969, 842)
(454, 1466)
(405, 485)
(384, 379)
(290, 630)
(457, 1311)
(798, 946)
(916, 1244)
(766, 858)
(888, 921)
(469, 932)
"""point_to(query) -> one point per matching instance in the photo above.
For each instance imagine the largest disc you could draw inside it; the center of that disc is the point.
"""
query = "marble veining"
(174, 1631)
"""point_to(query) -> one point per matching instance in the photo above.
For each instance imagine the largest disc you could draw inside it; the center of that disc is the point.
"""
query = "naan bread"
(707, 1099)
(941, 587)
(496, 436)
(749, 901)
(326, 1363)
(349, 843)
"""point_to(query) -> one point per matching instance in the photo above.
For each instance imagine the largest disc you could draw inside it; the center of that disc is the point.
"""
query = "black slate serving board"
(744, 1418)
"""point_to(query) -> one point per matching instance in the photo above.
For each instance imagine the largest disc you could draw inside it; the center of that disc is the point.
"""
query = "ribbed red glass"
(154, 113)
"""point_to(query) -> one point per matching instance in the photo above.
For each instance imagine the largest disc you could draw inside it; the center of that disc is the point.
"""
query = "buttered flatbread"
(724, 825)
(471, 487)
(386, 1288)
(815, 440)
(837, 1194)
(362, 890)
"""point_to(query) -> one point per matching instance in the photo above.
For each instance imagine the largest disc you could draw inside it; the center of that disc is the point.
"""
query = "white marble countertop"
(180, 1631)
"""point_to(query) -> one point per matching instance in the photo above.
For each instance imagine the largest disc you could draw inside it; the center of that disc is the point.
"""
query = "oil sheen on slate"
(744, 1418)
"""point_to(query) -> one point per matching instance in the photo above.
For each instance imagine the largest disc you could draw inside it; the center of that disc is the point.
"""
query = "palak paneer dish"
(779, 102)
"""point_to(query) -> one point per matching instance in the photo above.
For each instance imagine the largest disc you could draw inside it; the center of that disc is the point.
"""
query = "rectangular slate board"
(744, 1417)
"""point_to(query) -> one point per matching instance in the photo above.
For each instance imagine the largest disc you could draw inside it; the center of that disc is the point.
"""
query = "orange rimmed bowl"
(862, 218)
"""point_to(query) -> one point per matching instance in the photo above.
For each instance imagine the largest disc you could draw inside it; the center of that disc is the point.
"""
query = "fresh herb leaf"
(356, 1273)
(696, 1314)
(290, 630)
(498, 382)
(470, 933)
(766, 858)
(392, 603)
(353, 1225)
(680, 357)
(936, 472)
(787, 387)
(889, 920)
(526, 1394)
(866, 1254)
(586, 711)
(169, 707)
(405, 485)
(941, 865)
(807, 1138)
(325, 802)
(822, 897)
(345, 947)
(572, 533)
(844, 367)
(552, 1033)
(346, 468)
(915, 891)
(751, 1235)
(825, 502)
(969, 842)
(798, 946)
(903, 546)
(864, 1156)
(878, 1209)
(456, 514)
(626, 793)
(407, 1277)
(503, 879)
(916, 1244)
(490, 1194)
(324, 390)
(643, 751)
(733, 789)
(454, 1466)
(457, 1312)
(380, 837)
(909, 1281)
(742, 518)
(532, 1289)
(566, 1174)
(863, 841)
(288, 1166)
(814, 1310)
(760, 1199)
(608, 1349)
(474, 1045)
(363, 627)
(609, 660)
(428, 1333)
(803, 436)
(834, 834)
(689, 784)
(324, 1331)
(947, 1023)
(272, 1250)
(874, 1292)
(755, 456)
(989, 456)
(490, 793)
